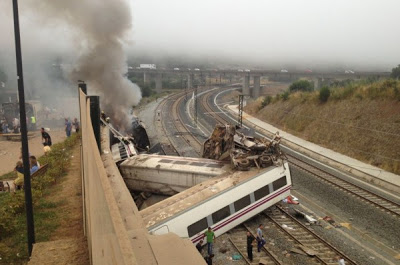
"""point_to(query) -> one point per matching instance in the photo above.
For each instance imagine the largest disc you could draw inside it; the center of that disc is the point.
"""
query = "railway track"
(181, 128)
(238, 238)
(324, 252)
(160, 122)
(378, 201)
(367, 196)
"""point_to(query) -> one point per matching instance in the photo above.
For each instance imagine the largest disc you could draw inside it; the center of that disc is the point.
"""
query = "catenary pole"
(24, 136)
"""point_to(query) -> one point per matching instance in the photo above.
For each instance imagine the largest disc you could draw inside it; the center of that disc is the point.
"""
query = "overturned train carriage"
(221, 203)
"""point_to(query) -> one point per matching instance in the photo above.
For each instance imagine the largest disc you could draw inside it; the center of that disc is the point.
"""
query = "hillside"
(361, 120)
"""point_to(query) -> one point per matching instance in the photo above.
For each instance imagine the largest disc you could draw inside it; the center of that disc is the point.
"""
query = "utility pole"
(24, 133)
(240, 117)
(195, 105)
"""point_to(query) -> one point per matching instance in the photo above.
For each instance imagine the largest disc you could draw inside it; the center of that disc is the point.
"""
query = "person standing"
(45, 137)
(260, 239)
(250, 240)
(76, 125)
(33, 122)
(68, 127)
(341, 261)
(210, 240)
(208, 259)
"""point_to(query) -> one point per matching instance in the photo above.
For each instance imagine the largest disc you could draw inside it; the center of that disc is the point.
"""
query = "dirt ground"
(68, 245)
(10, 150)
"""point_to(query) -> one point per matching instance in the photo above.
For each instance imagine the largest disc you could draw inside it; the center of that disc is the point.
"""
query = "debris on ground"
(331, 221)
(291, 200)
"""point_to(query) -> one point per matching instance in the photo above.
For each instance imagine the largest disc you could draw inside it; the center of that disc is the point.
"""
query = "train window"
(164, 161)
(197, 227)
(221, 214)
(215, 165)
(262, 192)
(181, 162)
(279, 183)
(241, 203)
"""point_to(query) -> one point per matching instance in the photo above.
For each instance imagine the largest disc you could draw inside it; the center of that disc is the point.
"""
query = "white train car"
(221, 203)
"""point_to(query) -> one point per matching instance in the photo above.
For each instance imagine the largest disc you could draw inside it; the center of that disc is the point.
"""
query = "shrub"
(301, 85)
(285, 95)
(265, 101)
(396, 72)
(324, 94)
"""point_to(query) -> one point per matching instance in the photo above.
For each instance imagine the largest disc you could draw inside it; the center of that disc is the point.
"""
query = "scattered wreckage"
(244, 151)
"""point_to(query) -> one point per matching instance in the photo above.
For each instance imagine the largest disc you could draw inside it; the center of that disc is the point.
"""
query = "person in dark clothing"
(45, 137)
(199, 246)
(250, 240)
(209, 258)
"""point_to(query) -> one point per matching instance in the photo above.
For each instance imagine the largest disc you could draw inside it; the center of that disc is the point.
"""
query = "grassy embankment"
(13, 238)
(360, 119)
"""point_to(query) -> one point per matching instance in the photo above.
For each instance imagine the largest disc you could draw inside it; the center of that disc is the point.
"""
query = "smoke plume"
(97, 32)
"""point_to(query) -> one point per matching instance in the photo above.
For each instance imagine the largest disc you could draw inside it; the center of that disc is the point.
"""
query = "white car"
(349, 72)
(196, 69)
(247, 70)
(176, 69)
(240, 70)
(284, 71)
(130, 67)
(188, 69)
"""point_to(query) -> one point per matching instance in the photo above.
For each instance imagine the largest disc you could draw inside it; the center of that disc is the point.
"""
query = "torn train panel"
(226, 143)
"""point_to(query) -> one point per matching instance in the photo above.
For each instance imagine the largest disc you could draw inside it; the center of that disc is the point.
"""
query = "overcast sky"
(348, 31)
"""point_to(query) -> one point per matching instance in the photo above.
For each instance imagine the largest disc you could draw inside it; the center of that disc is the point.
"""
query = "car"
(188, 69)
(240, 70)
(176, 69)
(308, 71)
(349, 72)
(247, 70)
(196, 69)
(284, 71)
(130, 67)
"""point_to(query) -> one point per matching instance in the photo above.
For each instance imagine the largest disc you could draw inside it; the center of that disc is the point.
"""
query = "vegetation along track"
(324, 252)
(368, 196)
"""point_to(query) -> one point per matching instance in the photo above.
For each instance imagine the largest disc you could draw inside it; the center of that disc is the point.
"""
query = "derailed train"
(258, 178)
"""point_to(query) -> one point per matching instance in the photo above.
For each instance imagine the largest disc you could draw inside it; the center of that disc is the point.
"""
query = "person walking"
(250, 240)
(341, 261)
(45, 137)
(260, 239)
(68, 127)
(210, 240)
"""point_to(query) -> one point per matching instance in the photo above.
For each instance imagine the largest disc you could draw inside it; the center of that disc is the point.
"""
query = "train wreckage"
(237, 177)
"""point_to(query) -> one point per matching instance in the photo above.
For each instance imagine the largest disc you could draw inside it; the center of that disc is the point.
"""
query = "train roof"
(178, 164)
(184, 200)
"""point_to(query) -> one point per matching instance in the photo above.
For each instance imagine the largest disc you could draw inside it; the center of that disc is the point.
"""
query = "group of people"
(16, 125)
(210, 237)
(34, 166)
(68, 126)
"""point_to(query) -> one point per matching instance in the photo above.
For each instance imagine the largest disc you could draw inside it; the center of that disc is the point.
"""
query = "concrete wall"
(113, 225)
(108, 242)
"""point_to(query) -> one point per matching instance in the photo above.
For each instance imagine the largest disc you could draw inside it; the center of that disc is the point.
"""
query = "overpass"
(246, 75)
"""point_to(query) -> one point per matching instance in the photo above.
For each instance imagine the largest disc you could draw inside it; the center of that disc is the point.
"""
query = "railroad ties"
(378, 201)
(238, 238)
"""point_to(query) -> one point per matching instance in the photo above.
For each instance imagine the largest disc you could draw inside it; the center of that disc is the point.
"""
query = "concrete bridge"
(317, 77)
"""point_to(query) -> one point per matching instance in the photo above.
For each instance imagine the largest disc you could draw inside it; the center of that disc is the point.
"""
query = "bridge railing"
(107, 237)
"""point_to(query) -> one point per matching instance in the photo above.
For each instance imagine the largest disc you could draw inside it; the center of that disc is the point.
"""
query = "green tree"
(396, 72)
(301, 85)
(285, 95)
(324, 94)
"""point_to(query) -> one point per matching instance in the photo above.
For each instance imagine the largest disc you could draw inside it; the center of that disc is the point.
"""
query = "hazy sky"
(350, 31)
